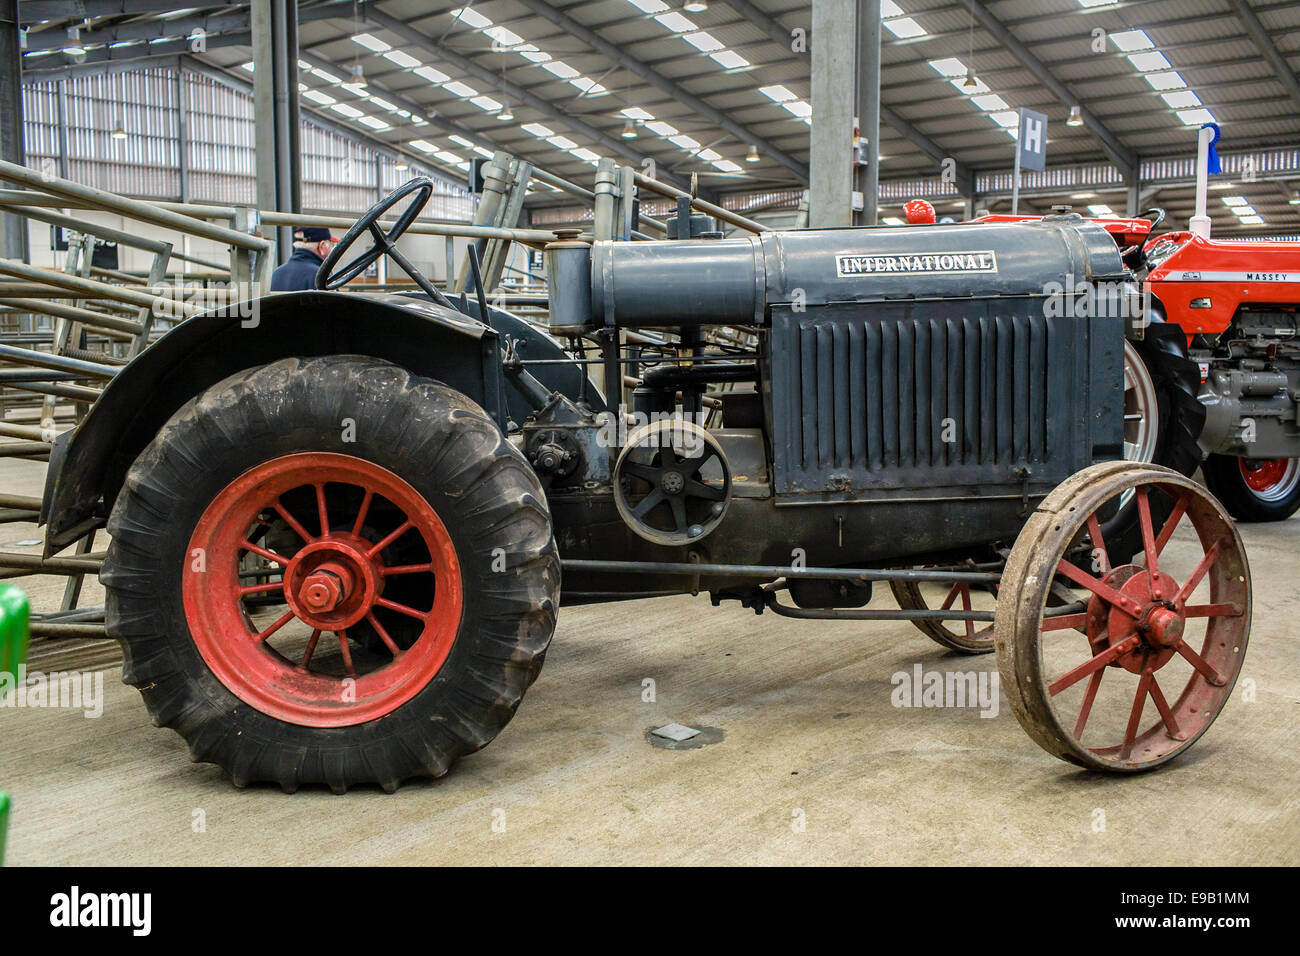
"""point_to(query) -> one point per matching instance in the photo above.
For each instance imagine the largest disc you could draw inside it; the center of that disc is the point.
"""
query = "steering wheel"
(331, 275)
(1138, 251)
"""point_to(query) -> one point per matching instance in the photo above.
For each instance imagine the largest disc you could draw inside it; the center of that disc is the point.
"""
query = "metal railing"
(66, 332)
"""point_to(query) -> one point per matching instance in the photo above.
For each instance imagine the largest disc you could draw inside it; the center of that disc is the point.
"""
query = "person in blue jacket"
(310, 247)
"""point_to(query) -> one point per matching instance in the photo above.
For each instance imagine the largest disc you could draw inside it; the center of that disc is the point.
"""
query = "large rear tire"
(330, 571)
(1255, 489)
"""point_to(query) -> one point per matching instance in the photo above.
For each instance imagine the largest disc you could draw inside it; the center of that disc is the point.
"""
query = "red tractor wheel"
(1132, 671)
(339, 577)
(965, 637)
(1255, 489)
(330, 571)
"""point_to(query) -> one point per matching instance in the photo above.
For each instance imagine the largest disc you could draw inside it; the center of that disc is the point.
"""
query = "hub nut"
(322, 591)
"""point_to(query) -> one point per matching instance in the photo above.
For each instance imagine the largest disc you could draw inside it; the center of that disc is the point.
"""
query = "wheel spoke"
(1115, 651)
(1206, 563)
(269, 555)
(260, 588)
(952, 596)
(1148, 533)
(288, 616)
(645, 472)
(1201, 665)
(667, 457)
(1175, 516)
(1167, 715)
(678, 504)
(1098, 545)
(346, 652)
(402, 609)
(292, 522)
(966, 606)
(323, 511)
(1135, 715)
(311, 648)
(1065, 622)
(1212, 610)
(1089, 696)
(1098, 587)
(406, 569)
(695, 464)
(397, 533)
(698, 489)
(648, 502)
(362, 512)
(383, 634)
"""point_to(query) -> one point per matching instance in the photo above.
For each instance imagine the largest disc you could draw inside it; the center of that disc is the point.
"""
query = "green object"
(14, 612)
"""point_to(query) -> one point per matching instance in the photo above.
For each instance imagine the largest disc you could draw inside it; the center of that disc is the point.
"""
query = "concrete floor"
(811, 736)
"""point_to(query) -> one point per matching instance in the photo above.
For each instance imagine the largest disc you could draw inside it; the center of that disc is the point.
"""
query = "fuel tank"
(738, 281)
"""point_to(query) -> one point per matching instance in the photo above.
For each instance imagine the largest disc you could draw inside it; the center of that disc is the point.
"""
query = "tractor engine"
(891, 364)
(1252, 385)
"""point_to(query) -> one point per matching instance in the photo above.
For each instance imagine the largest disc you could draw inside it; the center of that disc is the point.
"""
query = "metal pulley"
(672, 483)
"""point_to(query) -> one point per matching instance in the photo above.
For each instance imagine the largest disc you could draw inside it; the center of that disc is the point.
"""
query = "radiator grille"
(912, 400)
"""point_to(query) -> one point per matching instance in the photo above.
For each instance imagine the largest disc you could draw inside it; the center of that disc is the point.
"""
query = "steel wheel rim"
(1270, 479)
(1177, 721)
(333, 581)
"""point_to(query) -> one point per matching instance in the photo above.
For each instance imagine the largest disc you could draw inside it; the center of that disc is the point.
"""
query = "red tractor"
(1213, 375)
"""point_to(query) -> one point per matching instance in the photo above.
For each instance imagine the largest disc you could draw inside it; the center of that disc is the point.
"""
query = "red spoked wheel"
(966, 637)
(311, 544)
(1135, 661)
(1272, 479)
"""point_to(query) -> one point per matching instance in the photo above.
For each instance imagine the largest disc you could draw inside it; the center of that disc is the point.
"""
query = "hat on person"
(311, 234)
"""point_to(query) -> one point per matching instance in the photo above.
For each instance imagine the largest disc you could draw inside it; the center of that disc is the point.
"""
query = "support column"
(182, 137)
(1133, 195)
(275, 108)
(830, 172)
(13, 229)
(866, 177)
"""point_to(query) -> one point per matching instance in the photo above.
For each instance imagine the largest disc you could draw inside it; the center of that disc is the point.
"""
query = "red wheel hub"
(1263, 474)
(331, 578)
(1159, 626)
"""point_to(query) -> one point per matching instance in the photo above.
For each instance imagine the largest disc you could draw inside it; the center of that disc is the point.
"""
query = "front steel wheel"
(965, 637)
(1137, 667)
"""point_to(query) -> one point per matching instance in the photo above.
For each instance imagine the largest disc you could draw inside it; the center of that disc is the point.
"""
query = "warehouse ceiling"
(720, 92)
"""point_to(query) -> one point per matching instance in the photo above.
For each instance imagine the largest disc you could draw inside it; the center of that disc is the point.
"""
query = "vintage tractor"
(343, 524)
(1212, 377)
(1238, 303)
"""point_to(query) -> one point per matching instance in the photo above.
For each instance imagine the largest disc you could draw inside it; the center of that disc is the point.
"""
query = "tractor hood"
(739, 280)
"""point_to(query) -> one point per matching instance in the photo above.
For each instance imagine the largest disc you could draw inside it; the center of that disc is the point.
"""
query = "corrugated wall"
(340, 172)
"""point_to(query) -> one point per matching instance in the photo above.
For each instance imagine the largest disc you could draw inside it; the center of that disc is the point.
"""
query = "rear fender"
(89, 464)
